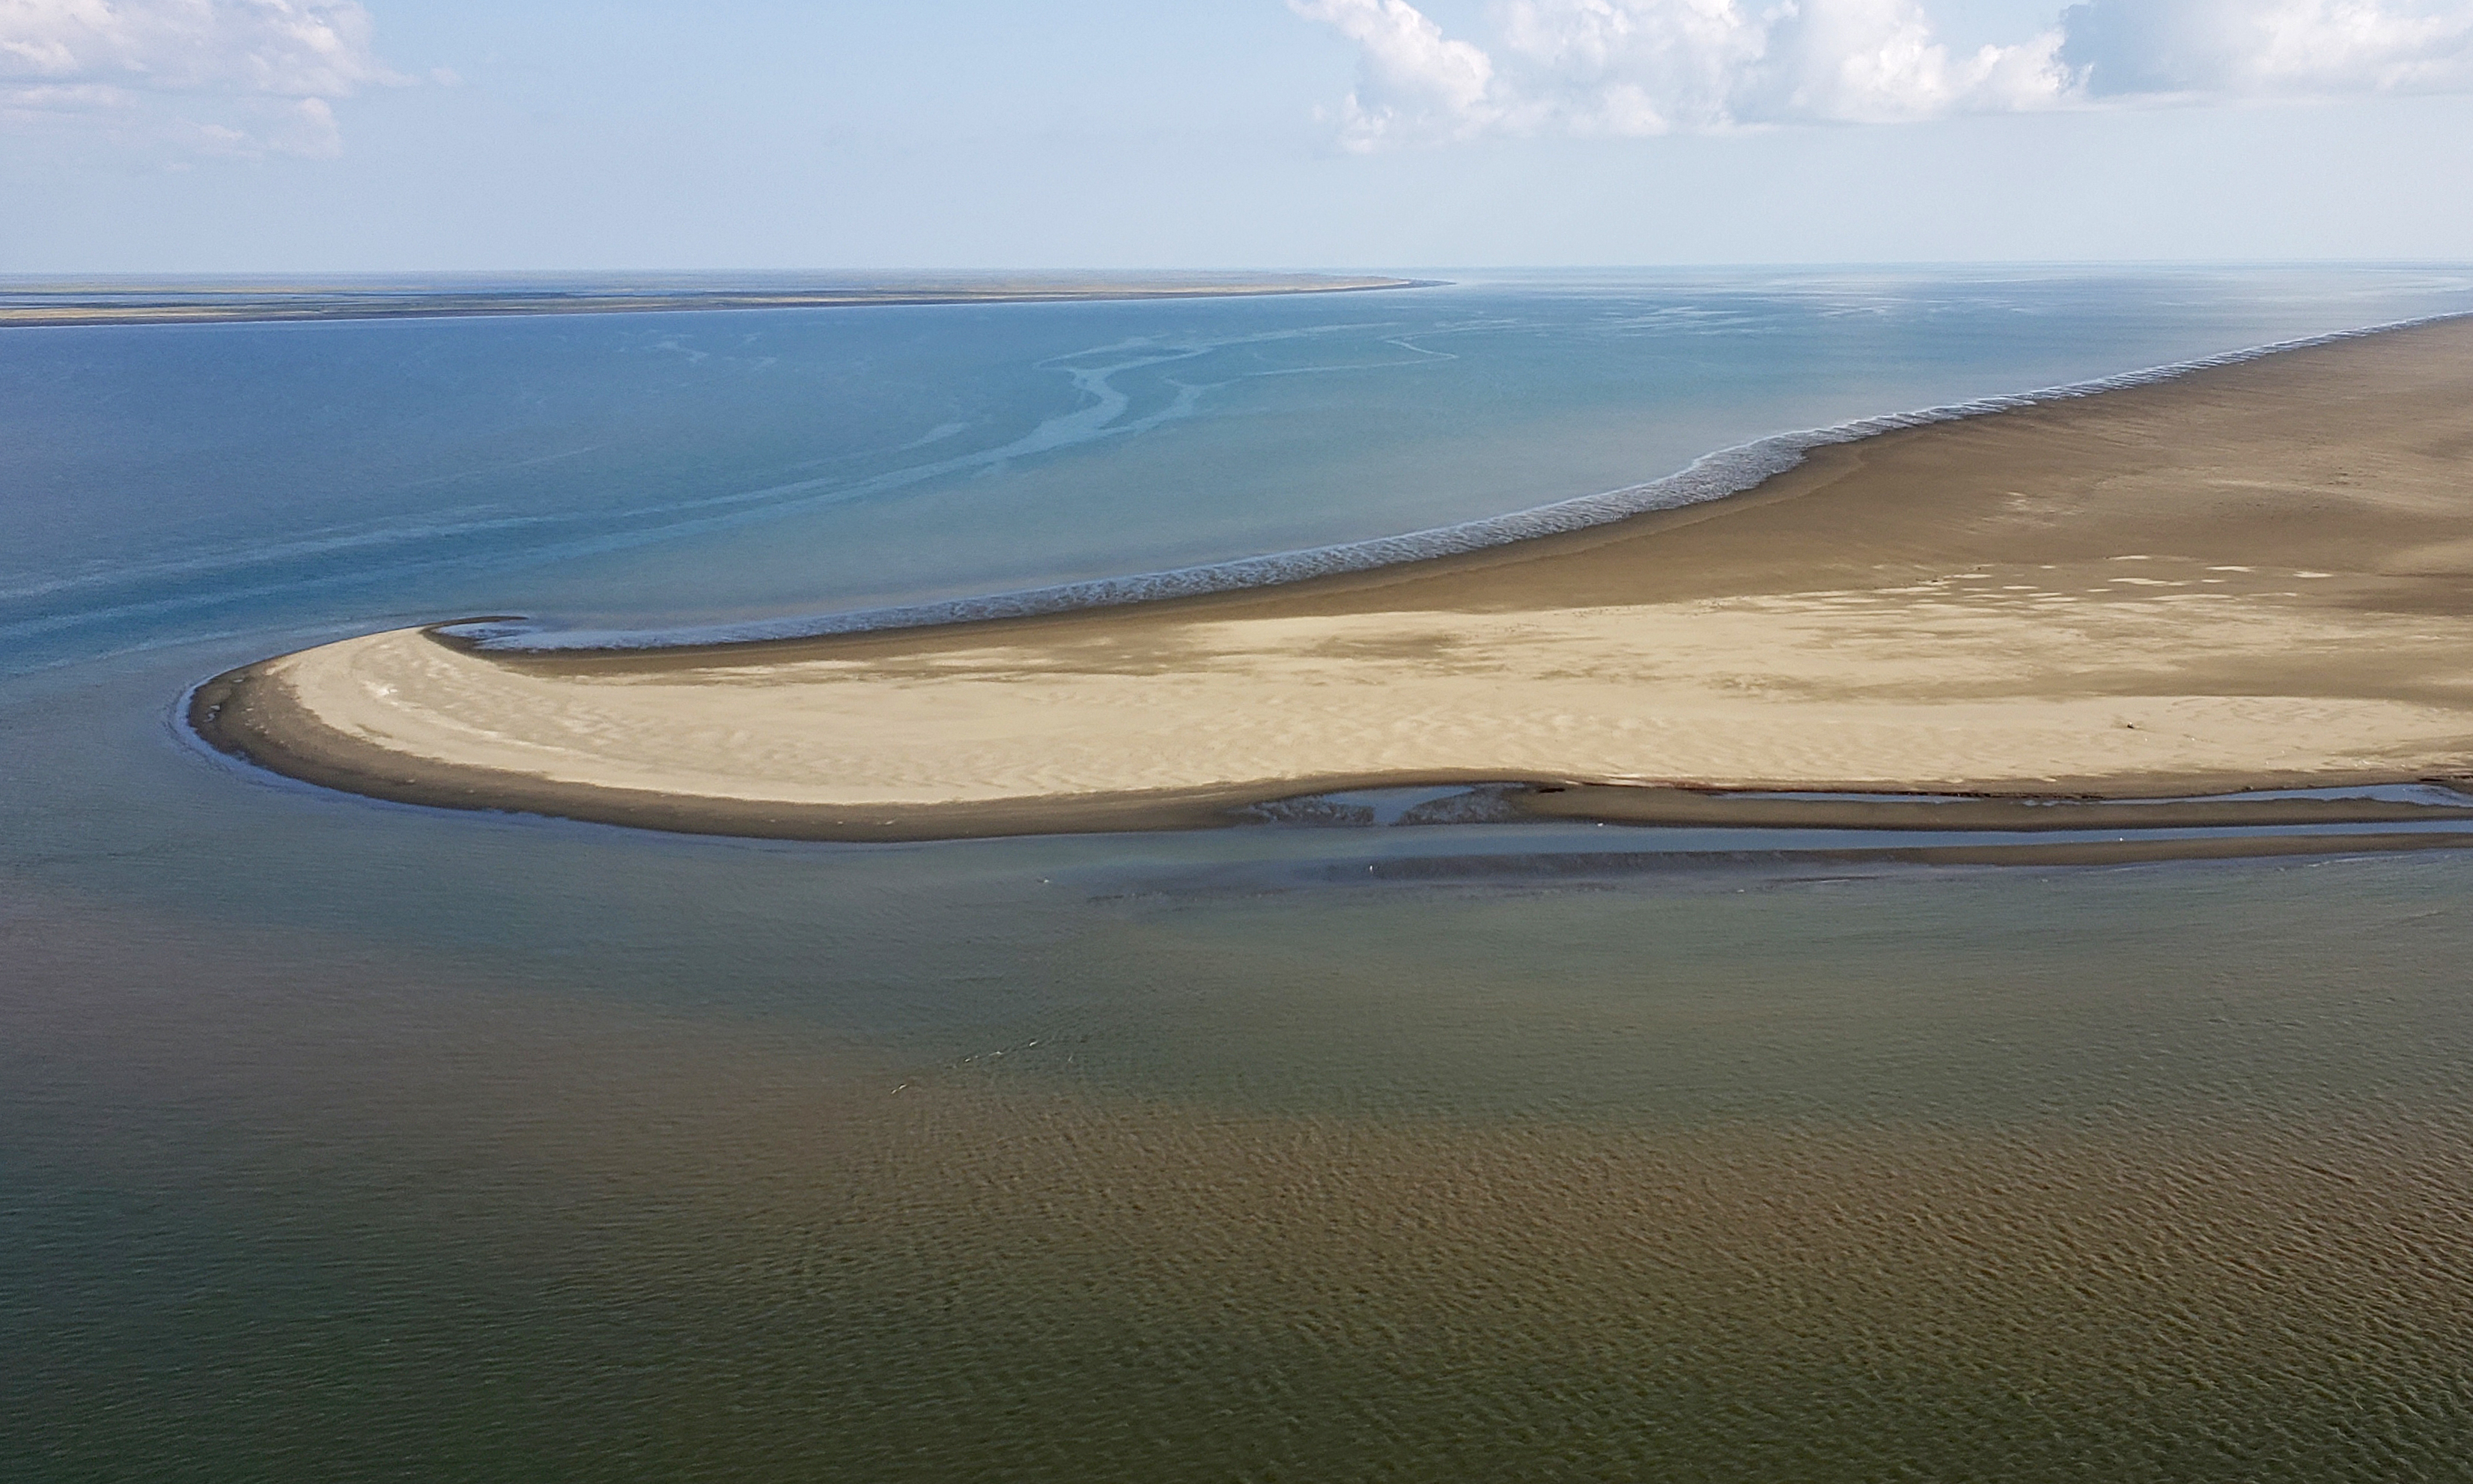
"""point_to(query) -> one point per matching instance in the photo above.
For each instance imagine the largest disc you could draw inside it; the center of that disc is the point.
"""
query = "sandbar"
(238, 302)
(2255, 575)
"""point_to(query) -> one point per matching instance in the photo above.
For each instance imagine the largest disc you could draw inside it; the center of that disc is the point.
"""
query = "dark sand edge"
(304, 309)
(1816, 470)
(250, 716)
(1615, 865)
(1317, 594)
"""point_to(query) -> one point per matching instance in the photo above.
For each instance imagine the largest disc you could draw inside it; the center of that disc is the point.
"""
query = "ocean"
(352, 1140)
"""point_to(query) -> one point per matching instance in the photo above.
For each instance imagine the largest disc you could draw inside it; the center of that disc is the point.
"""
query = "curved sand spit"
(2255, 575)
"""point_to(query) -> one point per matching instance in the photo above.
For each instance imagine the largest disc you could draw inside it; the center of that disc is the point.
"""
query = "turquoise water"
(348, 1140)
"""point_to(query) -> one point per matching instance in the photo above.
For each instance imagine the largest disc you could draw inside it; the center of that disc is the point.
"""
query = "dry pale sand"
(2256, 575)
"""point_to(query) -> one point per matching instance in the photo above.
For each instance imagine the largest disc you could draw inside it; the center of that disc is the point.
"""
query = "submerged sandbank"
(2252, 576)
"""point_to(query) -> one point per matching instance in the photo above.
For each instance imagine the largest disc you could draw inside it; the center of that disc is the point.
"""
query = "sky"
(407, 135)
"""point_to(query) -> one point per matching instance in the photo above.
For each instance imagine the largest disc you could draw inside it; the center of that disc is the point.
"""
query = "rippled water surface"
(342, 1140)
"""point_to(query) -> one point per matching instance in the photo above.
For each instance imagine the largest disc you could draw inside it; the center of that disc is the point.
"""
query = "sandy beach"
(2254, 576)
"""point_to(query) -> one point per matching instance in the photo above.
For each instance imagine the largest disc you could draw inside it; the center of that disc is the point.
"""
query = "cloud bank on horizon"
(1642, 68)
(242, 78)
(184, 80)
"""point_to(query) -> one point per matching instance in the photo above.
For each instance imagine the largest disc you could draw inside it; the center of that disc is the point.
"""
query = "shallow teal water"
(344, 1140)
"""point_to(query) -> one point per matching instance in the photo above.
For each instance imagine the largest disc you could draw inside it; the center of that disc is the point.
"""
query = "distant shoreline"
(88, 305)
(2253, 576)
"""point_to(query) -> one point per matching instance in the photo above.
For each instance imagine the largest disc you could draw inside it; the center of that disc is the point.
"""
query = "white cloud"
(1657, 66)
(205, 77)
(1416, 83)
(2267, 48)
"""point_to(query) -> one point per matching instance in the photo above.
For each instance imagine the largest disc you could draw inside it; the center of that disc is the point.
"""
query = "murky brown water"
(663, 1158)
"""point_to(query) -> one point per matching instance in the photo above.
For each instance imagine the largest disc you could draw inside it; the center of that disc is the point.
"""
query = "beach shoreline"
(238, 717)
(1723, 474)
(2250, 576)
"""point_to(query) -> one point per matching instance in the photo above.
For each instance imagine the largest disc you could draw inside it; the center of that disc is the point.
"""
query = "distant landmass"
(235, 300)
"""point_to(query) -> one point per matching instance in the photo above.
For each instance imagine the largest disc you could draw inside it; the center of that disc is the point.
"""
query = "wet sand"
(2254, 576)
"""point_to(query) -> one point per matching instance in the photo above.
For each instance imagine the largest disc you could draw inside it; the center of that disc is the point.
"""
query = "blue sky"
(276, 136)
